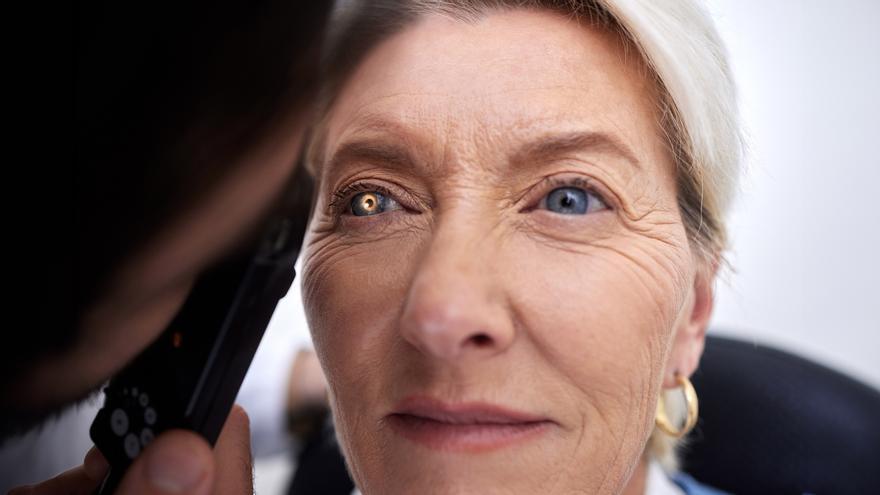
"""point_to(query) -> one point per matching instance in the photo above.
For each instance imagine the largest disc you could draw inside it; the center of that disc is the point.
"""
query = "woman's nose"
(456, 308)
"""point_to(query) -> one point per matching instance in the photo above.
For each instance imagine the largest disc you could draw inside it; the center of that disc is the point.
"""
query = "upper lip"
(464, 413)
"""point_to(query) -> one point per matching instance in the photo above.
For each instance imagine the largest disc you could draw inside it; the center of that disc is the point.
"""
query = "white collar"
(659, 483)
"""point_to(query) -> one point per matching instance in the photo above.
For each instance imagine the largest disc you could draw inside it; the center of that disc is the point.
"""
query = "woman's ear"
(690, 331)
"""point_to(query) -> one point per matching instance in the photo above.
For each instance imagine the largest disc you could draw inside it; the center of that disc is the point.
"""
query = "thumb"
(176, 461)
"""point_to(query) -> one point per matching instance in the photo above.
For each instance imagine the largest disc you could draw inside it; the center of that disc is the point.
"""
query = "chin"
(404, 467)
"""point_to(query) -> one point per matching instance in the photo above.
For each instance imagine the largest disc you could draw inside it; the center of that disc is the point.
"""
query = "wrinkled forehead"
(503, 81)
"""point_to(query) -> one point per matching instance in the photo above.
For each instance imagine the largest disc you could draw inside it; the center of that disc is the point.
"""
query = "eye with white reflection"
(572, 201)
(369, 203)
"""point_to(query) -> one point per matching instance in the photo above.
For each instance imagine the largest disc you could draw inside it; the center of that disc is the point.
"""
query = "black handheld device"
(189, 377)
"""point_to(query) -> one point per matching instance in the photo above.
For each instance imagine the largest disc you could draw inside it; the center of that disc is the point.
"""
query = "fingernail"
(175, 470)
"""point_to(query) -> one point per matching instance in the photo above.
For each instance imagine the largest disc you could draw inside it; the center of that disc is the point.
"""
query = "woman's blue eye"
(369, 203)
(572, 201)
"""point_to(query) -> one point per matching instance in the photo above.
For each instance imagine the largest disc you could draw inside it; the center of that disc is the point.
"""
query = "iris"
(368, 203)
(568, 201)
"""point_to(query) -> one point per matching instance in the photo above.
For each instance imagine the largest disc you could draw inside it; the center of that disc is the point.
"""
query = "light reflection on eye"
(572, 201)
(371, 203)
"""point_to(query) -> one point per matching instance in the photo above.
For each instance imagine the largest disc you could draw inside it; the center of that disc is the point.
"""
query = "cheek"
(353, 293)
(614, 308)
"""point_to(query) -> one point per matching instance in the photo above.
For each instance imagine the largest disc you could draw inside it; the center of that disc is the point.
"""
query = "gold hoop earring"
(690, 397)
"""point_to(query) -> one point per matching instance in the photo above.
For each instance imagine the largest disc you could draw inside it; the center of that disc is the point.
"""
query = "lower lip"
(481, 437)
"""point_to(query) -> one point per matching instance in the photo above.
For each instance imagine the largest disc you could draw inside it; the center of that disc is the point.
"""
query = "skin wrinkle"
(376, 122)
(635, 260)
(580, 312)
(607, 480)
(546, 355)
(430, 172)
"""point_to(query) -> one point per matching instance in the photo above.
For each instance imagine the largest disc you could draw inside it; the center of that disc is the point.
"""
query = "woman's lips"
(465, 427)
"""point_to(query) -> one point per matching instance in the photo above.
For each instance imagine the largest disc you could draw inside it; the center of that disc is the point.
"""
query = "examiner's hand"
(177, 461)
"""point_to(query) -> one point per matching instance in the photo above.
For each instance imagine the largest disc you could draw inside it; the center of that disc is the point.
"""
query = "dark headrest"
(772, 422)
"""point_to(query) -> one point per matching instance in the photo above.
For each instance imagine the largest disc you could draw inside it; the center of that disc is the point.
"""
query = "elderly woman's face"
(497, 270)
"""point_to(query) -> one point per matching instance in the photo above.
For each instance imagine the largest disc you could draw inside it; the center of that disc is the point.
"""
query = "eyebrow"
(555, 145)
(385, 143)
(371, 150)
(543, 148)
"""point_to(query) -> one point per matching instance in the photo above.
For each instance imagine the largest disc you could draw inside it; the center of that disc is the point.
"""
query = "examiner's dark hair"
(166, 97)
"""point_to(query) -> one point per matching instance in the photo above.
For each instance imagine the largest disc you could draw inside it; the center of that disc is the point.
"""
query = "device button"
(119, 422)
(143, 400)
(150, 416)
(146, 437)
(132, 446)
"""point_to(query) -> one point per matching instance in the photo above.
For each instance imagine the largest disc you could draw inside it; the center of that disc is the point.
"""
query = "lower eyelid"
(377, 227)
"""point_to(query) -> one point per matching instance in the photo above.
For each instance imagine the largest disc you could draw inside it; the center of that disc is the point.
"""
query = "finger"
(177, 461)
(95, 464)
(73, 482)
(232, 453)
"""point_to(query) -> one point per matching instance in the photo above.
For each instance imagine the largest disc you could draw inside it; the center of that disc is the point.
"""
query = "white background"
(806, 229)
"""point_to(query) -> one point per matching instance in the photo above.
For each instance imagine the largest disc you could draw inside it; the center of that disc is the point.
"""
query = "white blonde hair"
(678, 42)
(684, 54)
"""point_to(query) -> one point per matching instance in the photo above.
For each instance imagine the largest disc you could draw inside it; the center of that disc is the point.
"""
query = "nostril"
(481, 340)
